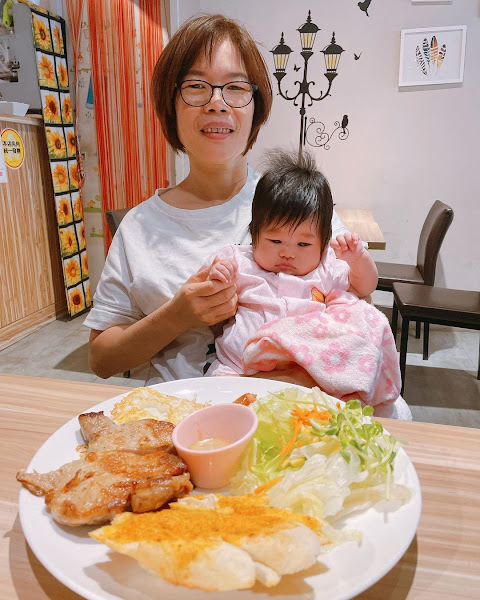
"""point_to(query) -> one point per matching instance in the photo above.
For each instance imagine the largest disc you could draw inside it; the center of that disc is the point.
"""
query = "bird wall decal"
(357, 56)
(365, 5)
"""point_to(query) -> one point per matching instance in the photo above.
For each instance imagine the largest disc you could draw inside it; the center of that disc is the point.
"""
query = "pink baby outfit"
(345, 344)
(264, 297)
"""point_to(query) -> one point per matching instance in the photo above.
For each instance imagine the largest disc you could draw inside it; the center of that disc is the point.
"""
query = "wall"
(406, 147)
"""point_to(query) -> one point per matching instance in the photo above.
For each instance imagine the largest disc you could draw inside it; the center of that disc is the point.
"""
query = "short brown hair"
(197, 37)
(289, 192)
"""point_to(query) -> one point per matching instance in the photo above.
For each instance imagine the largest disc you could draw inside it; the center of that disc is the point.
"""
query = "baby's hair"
(290, 191)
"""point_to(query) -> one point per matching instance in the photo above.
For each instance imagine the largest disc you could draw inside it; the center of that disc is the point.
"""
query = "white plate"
(96, 573)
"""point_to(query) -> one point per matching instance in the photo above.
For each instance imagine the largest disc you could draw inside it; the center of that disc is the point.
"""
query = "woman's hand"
(201, 301)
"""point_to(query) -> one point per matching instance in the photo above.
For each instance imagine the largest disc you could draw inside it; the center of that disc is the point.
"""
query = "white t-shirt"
(156, 248)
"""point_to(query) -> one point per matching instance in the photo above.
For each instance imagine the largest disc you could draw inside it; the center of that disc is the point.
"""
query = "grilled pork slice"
(217, 542)
(146, 435)
(94, 490)
(131, 466)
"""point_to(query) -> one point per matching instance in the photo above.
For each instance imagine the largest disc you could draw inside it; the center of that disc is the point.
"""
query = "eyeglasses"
(235, 94)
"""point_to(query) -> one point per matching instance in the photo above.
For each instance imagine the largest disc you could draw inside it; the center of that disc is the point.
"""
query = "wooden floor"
(443, 389)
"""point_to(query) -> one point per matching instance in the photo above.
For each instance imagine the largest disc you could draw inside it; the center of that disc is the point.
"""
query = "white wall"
(406, 148)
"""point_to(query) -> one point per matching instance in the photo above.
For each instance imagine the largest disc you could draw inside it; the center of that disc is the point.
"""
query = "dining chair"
(114, 218)
(437, 222)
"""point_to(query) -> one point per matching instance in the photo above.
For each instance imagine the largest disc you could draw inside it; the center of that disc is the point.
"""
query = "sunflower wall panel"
(48, 33)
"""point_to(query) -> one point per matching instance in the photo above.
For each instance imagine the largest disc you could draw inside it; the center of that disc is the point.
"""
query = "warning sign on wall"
(13, 148)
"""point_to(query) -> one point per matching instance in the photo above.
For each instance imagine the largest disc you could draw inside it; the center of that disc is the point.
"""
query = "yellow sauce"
(210, 444)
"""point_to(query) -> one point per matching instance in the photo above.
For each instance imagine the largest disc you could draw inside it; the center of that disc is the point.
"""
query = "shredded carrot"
(338, 405)
(266, 486)
(302, 418)
(289, 445)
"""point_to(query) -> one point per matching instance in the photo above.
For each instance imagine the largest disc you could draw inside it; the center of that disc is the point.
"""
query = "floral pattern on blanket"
(347, 348)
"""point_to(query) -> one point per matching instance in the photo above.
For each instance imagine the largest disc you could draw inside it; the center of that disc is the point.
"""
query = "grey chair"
(436, 225)
(114, 218)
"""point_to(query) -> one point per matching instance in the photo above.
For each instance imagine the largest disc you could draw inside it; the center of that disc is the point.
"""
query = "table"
(440, 564)
(362, 222)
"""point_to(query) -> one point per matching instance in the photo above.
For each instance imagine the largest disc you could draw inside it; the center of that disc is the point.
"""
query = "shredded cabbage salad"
(314, 455)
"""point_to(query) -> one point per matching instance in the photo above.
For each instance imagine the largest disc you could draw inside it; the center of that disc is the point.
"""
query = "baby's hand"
(224, 270)
(348, 247)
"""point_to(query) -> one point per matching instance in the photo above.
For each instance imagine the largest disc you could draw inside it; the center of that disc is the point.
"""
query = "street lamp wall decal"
(332, 54)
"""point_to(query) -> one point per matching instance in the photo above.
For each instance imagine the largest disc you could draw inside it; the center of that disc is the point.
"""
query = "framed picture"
(431, 1)
(432, 56)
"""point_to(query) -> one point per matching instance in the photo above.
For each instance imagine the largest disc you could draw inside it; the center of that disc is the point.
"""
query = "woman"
(212, 95)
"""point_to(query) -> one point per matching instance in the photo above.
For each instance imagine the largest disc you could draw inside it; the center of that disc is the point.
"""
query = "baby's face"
(286, 250)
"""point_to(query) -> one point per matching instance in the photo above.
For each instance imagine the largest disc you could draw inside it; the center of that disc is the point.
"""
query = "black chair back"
(435, 227)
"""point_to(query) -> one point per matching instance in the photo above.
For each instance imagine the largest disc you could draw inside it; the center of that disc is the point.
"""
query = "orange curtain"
(126, 40)
(74, 14)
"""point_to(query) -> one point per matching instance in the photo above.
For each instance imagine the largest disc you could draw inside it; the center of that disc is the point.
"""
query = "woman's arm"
(197, 302)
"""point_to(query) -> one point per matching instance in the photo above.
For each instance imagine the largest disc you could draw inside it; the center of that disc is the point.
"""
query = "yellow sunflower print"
(68, 242)
(71, 144)
(76, 302)
(41, 34)
(64, 212)
(72, 272)
(74, 176)
(57, 40)
(87, 295)
(85, 268)
(67, 110)
(60, 178)
(62, 76)
(82, 238)
(56, 144)
(46, 73)
(51, 110)
(78, 209)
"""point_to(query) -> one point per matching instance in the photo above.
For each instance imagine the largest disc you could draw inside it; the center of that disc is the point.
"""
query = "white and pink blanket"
(348, 349)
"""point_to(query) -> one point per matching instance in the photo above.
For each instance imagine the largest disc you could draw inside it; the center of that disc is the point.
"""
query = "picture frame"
(431, 1)
(432, 56)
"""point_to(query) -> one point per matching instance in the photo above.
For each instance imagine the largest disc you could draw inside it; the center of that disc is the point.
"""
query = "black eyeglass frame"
(179, 84)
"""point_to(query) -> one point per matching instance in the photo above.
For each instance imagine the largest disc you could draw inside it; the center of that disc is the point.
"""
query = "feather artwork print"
(433, 51)
(429, 58)
(441, 56)
(426, 50)
(420, 61)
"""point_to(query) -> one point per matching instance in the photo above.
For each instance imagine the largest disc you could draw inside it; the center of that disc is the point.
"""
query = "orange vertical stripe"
(131, 160)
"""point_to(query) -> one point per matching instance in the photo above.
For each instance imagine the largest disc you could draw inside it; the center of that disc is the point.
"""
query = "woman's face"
(215, 133)
(286, 250)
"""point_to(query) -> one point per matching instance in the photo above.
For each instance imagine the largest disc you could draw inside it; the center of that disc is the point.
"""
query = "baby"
(294, 278)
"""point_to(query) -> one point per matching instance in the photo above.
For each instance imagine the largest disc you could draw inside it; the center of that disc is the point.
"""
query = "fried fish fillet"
(124, 466)
(215, 542)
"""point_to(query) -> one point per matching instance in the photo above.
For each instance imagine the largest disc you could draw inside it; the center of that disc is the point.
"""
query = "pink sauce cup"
(213, 468)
